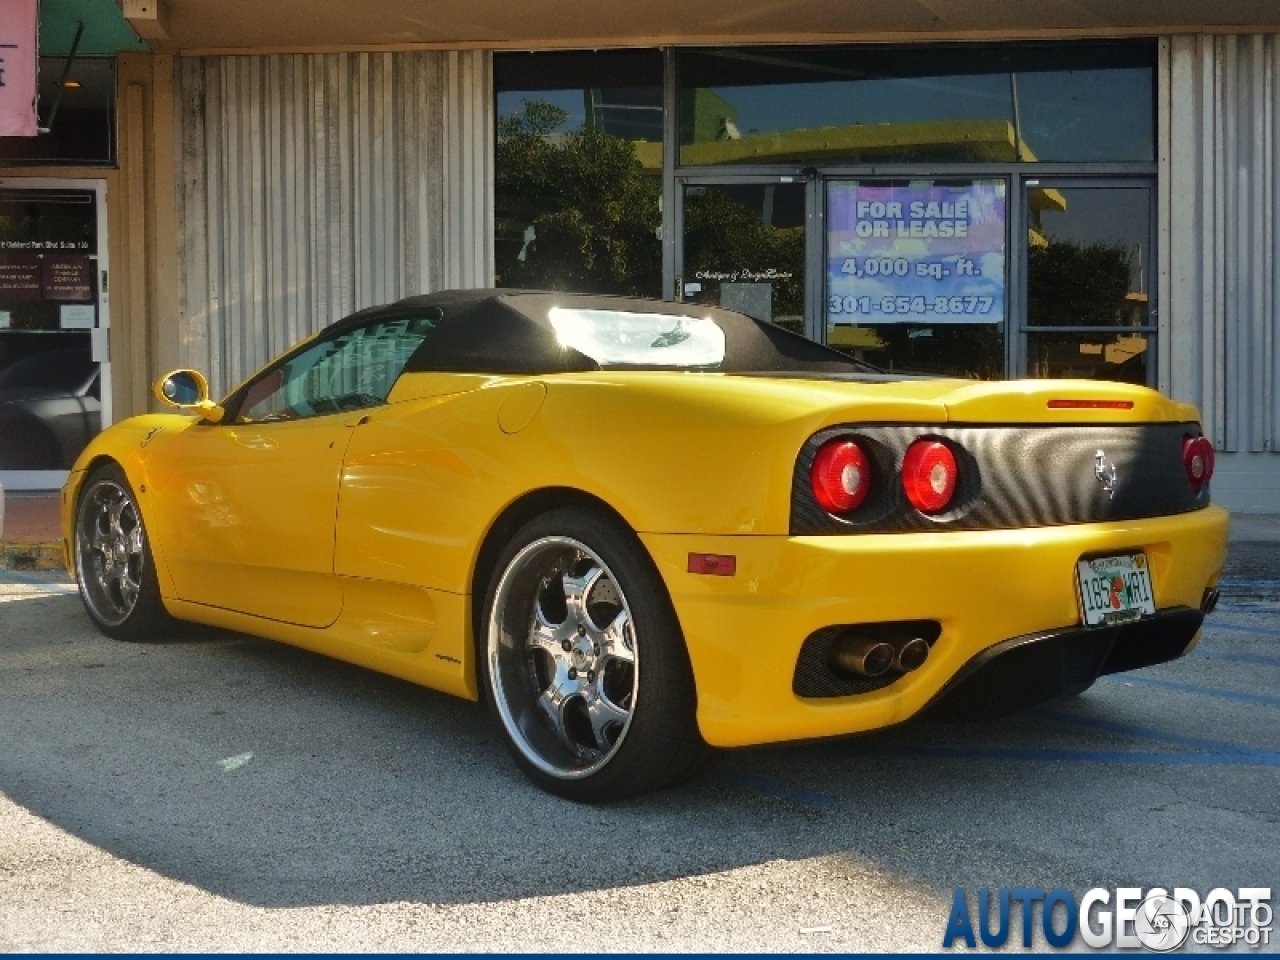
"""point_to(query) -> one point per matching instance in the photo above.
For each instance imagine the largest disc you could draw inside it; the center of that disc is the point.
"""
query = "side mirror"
(187, 390)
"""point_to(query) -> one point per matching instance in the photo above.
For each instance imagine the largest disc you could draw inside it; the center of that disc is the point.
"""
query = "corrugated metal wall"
(314, 185)
(1220, 233)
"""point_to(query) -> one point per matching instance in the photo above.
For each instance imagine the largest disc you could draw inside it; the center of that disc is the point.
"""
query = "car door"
(249, 505)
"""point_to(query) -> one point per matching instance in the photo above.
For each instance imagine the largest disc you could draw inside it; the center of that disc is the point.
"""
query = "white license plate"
(1115, 589)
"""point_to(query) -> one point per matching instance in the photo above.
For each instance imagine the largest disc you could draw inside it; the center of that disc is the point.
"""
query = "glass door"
(1088, 269)
(916, 274)
(53, 326)
(742, 246)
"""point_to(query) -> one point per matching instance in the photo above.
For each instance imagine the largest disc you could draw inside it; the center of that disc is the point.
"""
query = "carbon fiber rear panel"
(1011, 476)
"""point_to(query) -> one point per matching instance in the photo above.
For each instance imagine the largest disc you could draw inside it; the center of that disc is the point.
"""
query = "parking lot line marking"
(1245, 608)
(1197, 751)
(236, 762)
(1235, 628)
(1256, 758)
(1236, 695)
(1266, 584)
(774, 788)
(1239, 657)
(1149, 733)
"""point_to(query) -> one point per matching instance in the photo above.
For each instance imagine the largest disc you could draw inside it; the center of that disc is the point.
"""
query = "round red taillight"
(929, 475)
(841, 476)
(1197, 457)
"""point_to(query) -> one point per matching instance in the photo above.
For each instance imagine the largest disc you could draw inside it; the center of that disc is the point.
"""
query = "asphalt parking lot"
(218, 792)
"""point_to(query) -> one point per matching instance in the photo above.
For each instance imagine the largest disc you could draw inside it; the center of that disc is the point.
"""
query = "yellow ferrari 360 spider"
(637, 528)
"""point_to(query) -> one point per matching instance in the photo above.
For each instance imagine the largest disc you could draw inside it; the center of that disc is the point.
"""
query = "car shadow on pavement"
(276, 777)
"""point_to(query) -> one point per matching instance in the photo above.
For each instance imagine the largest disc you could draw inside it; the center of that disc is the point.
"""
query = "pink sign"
(18, 69)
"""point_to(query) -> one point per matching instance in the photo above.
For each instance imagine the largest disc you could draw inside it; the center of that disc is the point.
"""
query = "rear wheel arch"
(505, 526)
(569, 717)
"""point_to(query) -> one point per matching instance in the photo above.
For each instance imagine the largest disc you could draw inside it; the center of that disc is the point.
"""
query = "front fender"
(126, 444)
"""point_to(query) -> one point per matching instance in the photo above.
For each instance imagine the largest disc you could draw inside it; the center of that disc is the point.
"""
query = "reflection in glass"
(623, 338)
(578, 168)
(744, 249)
(958, 103)
(1094, 356)
(1088, 256)
(83, 129)
(49, 383)
(49, 400)
(181, 388)
(973, 351)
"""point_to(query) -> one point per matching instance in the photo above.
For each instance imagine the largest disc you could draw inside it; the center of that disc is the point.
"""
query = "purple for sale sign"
(916, 252)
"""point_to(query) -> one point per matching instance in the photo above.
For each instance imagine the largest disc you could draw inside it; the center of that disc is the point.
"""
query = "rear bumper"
(745, 632)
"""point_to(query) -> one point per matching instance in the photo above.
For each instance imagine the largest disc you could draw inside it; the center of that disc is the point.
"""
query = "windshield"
(624, 338)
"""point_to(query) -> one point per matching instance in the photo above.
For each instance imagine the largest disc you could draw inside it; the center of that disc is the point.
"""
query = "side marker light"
(714, 564)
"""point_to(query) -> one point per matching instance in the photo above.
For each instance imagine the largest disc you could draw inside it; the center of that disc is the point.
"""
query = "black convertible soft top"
(508, 332)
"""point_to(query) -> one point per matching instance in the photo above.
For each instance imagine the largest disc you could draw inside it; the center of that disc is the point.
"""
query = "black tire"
(575, 590)
(114, 566)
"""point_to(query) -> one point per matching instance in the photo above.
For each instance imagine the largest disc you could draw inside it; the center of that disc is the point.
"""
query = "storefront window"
(76, 115)
(744, 246)
(955, 103)
(978, 210)
(578, 171)
(49, 387)
(1088, 269)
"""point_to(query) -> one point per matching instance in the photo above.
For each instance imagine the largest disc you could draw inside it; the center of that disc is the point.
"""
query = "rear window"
(625, 338)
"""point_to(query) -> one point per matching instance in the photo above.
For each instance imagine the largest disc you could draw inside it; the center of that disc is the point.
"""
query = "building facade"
(1077, 192)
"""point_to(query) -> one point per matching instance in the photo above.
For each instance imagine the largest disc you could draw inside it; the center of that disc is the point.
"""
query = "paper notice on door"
(67, 277)
(4, 320)
(76, 316)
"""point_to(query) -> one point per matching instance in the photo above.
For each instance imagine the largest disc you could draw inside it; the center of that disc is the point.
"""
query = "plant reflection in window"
(577, 205)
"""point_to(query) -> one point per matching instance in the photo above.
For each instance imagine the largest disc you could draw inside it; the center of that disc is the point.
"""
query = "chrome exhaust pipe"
(910, 654)
(867, 658)
(1209, 601)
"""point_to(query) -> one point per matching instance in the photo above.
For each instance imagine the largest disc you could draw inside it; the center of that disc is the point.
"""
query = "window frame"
(1151, 329)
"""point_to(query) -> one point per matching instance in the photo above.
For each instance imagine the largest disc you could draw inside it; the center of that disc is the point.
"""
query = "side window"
(349, 371)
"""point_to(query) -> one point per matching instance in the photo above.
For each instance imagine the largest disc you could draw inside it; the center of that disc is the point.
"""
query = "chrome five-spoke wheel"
(562, 657)
(113, 561)
(582, 658)
(109, 545)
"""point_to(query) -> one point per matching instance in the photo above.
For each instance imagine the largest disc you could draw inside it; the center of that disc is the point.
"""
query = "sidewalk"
(31, 540)
(1255, 528)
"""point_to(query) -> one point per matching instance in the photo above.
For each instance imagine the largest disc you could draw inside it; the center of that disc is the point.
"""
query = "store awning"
(216, 25)
(105, 29)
